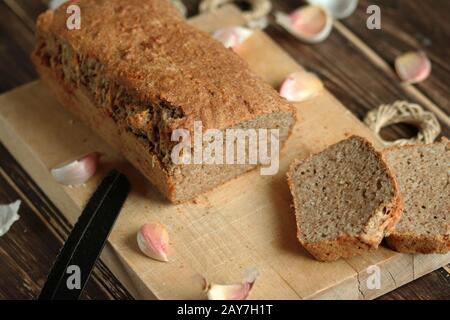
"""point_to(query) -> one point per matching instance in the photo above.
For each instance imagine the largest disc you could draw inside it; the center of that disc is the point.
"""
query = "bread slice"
(136, 72)
(346, 199)
(423, 174)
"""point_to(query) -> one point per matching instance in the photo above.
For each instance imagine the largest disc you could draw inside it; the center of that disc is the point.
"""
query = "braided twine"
(404, 112)
(256, 17)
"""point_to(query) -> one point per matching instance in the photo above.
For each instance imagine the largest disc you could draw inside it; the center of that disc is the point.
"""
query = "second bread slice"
(423, 173)
(346, 199)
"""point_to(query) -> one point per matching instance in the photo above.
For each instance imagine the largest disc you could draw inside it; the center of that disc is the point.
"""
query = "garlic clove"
(153, 240)
(311, 24)
(232, 37)
(77, 172)
(413, 67)
(8, 215)
(301, 86)
(233, 291)
(339, 9)
(229, 292)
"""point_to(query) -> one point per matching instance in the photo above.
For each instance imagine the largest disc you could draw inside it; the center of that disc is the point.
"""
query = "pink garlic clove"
(413, 67)
(77, 172)
(153, 240)
(229, 292)
(301, 86)
(232, 37)
(233, 291)
(311, 24)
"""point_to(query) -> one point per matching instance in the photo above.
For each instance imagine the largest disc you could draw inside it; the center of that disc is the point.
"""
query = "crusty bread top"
(147, 47)
(423, 174)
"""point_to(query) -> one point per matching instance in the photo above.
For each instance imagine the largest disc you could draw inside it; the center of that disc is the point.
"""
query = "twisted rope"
(404, 112)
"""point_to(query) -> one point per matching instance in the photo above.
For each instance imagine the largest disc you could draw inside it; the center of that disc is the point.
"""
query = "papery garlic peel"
(8, 215)
(301, 86)
(232, 291)
(153, 240)
(413, 67)
(77, 172)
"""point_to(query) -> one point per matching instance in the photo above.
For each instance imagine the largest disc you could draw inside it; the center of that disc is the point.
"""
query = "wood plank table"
(355, 64)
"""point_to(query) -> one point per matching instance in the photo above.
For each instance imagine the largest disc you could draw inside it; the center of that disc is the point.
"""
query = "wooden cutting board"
(245, 223)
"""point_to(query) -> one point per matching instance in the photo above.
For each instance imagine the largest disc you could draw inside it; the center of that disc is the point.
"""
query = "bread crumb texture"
(423, 174)
(345, 198)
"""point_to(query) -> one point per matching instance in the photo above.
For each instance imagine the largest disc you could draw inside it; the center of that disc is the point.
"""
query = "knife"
(73, 266)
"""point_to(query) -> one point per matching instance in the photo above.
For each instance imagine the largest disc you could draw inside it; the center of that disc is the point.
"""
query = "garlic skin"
(413, 67)
(153, 241)
(232, 37)
(233, 291)
(339, 9)
(77, 172)
(311, 24)
(8, 215)
(301, 86)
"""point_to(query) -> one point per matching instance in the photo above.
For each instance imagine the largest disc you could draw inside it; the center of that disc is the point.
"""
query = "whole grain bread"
(136, 71)
(346, 199)
(423, 174)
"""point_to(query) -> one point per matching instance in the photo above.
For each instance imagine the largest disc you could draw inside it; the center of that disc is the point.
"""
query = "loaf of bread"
(135, 71)
(423, 174)
(346, 199)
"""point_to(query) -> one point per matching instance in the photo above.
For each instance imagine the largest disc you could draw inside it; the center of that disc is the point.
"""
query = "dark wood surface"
(412, 25)
(353, 76)
(27, 251)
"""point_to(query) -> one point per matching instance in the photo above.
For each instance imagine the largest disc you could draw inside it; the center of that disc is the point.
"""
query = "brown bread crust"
(136, 71)
(147, 47)
(124, 142)
(413, 243)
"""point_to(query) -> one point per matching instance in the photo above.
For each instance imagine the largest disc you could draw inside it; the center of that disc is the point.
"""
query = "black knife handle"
(77, 258)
